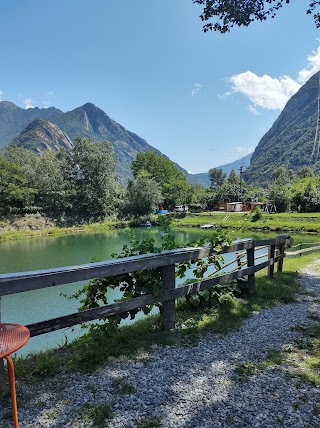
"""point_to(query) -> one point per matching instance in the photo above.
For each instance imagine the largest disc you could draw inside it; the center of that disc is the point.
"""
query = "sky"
(203, 99)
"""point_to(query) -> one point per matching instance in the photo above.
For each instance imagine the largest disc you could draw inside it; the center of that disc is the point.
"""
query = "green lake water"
(49, 252)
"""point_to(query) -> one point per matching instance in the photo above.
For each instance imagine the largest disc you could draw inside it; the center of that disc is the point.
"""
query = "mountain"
(42, 135)
(50, 128)
(203, 177)
(90, 121)
(289, 142)
(13, 119)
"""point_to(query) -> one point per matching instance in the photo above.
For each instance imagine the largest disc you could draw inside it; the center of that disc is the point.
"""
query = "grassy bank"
(8, 235)
(296, 222)
(87, 353)
(290, 222)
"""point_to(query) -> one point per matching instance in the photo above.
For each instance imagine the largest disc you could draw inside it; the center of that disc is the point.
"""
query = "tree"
(229, 13)
(15, 194)
(217, 177)
(143, 195)
(305, 171)
(234, 178)
(305, 194)
(278, 191)
(52, 183)
(47, 173)
(94, 176)
(26, 159)
(174, 185)
(282, 176)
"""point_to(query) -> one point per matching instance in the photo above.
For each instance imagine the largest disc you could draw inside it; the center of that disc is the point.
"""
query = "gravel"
(174, 386)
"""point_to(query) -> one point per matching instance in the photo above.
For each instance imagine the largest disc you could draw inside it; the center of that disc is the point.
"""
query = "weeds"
(97, 414)
(152, 422)
(122, 387)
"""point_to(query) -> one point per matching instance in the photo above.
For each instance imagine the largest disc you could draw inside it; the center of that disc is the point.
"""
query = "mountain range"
(51, 129)
(289, 142)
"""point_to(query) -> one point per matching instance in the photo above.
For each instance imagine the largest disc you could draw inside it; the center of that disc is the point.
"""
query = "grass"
(58, 231)
(152, 422)
(122, 387)
(298, 222)
(97, 414)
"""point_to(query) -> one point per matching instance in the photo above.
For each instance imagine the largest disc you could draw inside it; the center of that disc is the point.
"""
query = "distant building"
(181, 208)
(234, 207)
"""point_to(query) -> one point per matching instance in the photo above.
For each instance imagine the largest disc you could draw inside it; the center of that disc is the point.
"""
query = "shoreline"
(300, 223)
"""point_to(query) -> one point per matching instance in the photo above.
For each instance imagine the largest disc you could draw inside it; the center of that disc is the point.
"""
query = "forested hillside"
(290, 140)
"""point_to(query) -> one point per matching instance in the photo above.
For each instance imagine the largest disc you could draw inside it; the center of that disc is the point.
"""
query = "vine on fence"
(149, 281)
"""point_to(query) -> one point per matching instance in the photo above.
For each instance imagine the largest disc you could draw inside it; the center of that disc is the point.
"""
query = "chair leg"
(13, 391)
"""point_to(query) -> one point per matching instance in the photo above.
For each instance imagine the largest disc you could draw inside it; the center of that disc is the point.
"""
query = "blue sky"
(203, 99)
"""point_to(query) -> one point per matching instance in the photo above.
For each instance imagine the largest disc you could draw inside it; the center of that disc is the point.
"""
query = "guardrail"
(12, 283)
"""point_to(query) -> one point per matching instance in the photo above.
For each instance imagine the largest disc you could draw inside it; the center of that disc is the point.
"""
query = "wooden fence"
(303, 247)
(25, 281)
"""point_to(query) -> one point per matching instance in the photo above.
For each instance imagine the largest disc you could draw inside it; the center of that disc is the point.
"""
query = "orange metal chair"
(12, 338)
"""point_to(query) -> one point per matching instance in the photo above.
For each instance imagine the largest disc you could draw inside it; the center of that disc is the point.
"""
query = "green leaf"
(195, 300)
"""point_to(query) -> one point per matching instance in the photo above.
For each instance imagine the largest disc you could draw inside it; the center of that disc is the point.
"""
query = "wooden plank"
(169, 306)
(32, 280)
(25, 281)
(47, 326)
(304, 250)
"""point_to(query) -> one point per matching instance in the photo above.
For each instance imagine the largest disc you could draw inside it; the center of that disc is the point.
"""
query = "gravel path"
(181, 387)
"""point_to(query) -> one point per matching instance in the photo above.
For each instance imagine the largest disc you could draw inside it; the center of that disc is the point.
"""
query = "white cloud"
(312, 68)
(244, 150)
(28, 103)
(225, 95)
(253, 110)
(196, 88)
(269, 92)
(50, 93)
(265, 91)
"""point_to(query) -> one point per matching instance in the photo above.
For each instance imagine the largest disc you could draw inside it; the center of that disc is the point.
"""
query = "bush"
(256, 214)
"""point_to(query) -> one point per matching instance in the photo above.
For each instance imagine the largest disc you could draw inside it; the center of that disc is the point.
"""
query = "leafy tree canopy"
(174, 185)
(217, 177)
(15, 194)
(226, 14)
(95, 180)
(143, 195)
(158, 167)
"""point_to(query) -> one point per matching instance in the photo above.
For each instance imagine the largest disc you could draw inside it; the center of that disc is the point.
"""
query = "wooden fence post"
(250, 262)
(272, 250)
(281, 248)
(169, 306)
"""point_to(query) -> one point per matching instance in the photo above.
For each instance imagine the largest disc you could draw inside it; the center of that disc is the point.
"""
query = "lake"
(49, 252)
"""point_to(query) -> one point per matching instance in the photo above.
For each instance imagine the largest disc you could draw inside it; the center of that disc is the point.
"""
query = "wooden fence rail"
(25, 281)
(315, 246)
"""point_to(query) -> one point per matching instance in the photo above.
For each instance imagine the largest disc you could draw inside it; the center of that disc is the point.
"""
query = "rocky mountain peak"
(42, 135)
